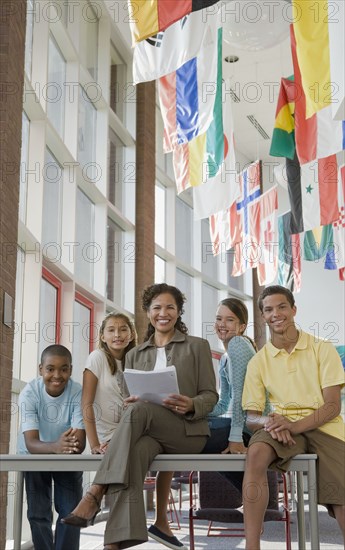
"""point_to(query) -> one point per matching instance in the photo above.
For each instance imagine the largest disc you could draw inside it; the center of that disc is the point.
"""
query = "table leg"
(313, 511)
(18, 511)
(300, 512)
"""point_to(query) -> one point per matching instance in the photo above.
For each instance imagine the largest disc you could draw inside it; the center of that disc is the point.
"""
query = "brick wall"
(12, 28)
(145, 197)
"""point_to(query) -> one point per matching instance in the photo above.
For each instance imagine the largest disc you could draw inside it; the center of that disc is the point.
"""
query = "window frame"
(57, 284)
(81, 299)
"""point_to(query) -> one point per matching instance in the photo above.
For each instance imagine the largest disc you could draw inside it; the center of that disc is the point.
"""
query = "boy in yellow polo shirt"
(303, 376)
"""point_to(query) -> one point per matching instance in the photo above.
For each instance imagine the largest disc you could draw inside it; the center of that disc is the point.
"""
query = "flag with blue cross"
(246, 251)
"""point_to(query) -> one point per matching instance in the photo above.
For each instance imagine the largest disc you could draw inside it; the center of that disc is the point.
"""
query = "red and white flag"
(225, 230)
(319, 192)
(265, 220)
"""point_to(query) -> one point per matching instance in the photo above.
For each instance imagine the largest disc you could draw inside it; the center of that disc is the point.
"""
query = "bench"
(305, 463)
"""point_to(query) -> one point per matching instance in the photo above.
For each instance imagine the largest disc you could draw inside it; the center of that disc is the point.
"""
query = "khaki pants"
(330, 465)
(145, 430)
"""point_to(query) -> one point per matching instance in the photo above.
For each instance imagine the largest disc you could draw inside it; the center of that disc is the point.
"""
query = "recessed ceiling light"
(231, 59)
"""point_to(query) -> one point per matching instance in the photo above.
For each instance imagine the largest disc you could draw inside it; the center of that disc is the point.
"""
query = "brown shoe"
(77, 521)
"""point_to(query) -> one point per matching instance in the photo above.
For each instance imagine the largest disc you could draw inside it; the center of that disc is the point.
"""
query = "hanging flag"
(224, 229)
(265, 220)
(187, 98)
(318, 136)
(148, 17)
(337, 55)
(312, 49)
(339, 224)
(336, 257)
(283, 137)
(246, 253)
(214, 226)
(220, 185)
(170, 49)
(317, 243)
(200, 159)
(313, 193)
(289, 255)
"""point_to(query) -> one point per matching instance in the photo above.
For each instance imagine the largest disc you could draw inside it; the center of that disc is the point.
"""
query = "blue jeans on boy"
(68, 490)
(218, 441)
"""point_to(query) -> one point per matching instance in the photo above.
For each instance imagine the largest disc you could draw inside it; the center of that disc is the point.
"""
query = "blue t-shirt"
(51, 416)
(232, 372)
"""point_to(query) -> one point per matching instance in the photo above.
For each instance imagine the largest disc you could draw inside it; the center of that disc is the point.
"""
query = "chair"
(182, 478)
(220, 501)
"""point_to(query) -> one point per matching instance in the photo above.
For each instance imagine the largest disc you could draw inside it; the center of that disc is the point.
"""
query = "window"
(209, 305)
(23, 184)
(114, 262)
(50, 306)
(183, 232)
(87, 135)
(52, 200)
(89, 37)
(208, 261)
(120, 91)
(184, 283)
(86, 250)
(160, 215)
(159, 270)
(115, 171)
(83, 334)
(55, 89)
(29, 35)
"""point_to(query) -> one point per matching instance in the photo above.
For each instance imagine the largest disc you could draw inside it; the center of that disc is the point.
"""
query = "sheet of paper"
(153, 386)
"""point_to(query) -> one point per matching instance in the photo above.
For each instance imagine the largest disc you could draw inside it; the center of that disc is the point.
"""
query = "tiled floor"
(272, 539)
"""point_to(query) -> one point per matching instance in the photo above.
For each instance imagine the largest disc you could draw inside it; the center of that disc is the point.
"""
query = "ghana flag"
(148, 17)
(283, 137)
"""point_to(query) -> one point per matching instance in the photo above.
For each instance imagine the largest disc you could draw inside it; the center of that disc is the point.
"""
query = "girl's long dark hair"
(104, 347)
(155, 290)
(239, 308)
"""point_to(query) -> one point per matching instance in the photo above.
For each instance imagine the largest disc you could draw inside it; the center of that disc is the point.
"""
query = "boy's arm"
(72, 441)
(81, 438)
(327, 412)
(255, 421)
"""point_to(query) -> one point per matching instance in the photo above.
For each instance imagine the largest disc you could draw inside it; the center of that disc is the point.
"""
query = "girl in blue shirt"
(227, 420)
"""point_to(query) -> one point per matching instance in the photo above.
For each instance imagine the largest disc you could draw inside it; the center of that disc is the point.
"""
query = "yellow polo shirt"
(294, 381)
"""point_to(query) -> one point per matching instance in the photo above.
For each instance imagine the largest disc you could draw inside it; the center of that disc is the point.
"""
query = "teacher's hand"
(129, 400)
(180, 404)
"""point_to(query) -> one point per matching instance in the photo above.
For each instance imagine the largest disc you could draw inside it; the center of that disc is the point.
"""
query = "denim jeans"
(218, 441)
(68, 491)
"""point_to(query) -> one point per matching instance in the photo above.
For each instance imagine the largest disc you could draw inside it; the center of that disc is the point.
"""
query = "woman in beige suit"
(147, 429)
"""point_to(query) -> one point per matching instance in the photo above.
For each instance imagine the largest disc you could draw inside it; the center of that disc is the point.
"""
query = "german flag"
(148, 17)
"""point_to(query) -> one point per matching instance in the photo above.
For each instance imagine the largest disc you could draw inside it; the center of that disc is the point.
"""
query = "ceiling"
(257, 32)
(255, 79)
